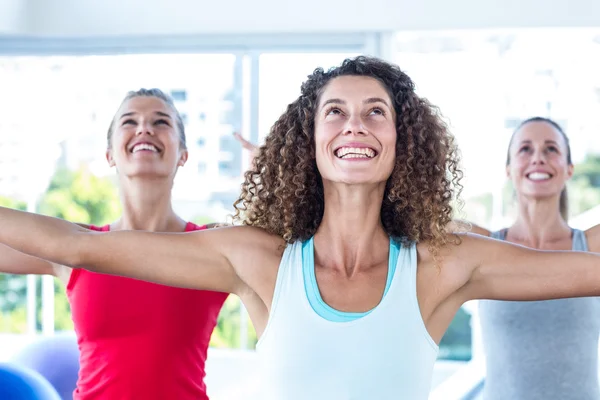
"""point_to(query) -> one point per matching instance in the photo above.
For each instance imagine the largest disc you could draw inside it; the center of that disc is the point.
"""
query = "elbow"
(77, 255)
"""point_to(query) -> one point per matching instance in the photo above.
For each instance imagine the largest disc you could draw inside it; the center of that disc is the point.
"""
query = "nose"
(355, 126)
(144, 127)
(538, 158)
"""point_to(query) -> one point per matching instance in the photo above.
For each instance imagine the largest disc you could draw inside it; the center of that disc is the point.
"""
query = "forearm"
(40, 236)
(15, 262)
(526, 274)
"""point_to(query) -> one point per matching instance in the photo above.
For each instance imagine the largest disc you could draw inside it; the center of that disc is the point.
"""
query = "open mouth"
(355, 152)
(538, 176)
(144, 147)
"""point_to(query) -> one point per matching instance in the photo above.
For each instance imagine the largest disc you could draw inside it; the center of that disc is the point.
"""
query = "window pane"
(280, 78)
(55, 115)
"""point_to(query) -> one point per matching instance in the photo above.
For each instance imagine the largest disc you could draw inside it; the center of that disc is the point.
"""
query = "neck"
(539, 221)
(147, 206)
(351, 234)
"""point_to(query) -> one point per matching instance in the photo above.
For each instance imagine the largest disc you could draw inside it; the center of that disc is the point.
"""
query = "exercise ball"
(56, 358)
(21, 383)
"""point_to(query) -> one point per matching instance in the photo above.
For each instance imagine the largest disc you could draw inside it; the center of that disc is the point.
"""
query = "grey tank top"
(541, 350)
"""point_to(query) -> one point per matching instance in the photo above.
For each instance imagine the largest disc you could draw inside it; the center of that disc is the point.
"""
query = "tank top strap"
(579, 241)
(499, 235)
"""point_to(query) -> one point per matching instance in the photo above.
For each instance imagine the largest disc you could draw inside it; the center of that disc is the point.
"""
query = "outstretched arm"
(200, 259)
(504, 271)
(593, 238)
(15, 262)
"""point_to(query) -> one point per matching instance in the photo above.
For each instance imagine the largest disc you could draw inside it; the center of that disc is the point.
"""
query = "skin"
(145, 180)
(351, 246)
(539, 147)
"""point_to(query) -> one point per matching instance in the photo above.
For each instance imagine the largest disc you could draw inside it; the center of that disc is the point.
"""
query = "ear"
(183, 158)
(570, 171)
(109, 158)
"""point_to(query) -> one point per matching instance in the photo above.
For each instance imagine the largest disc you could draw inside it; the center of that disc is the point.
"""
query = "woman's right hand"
(251, 147)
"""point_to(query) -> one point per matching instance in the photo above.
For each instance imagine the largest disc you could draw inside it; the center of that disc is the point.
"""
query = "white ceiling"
(101, 18)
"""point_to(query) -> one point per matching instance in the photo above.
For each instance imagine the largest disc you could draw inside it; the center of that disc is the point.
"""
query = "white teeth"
(538, 176)
(144, 146)
(355, 152)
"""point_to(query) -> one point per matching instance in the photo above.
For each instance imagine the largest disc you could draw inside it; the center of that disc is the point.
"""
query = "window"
(91, 89)
(179, 95)
(279, 86)
(485, 83)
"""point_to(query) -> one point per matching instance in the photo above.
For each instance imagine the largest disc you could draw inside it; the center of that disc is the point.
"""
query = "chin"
(542, 195)
(356, 180)
(147, 173)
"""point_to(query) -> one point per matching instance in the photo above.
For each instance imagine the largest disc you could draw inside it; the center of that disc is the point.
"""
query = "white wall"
(13, 16)
(73, 18)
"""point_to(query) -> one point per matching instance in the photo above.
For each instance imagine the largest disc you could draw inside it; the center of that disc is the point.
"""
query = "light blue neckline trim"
(312, 289)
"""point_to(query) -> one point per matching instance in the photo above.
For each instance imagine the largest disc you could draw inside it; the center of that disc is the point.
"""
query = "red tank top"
(140, 340)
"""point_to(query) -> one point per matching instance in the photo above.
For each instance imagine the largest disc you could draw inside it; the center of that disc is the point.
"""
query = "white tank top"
(386, 354)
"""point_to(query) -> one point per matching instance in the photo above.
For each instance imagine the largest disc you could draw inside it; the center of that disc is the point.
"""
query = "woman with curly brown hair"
(344, 264)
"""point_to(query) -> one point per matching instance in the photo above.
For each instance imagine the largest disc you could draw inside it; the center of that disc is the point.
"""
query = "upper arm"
(209, 259)
(593, 238)
(500, 270)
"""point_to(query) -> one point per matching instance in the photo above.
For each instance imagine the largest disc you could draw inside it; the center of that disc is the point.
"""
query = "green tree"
(12, 203)
(584, 186)
(80, 196)
(227, 331)
(203, 220)
(589, 169)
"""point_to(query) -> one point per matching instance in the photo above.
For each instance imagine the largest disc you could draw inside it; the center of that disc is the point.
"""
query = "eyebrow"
(370, 100)
(546, 142)
(159, 113)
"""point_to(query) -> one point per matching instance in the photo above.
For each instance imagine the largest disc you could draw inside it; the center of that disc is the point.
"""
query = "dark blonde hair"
(159, 94)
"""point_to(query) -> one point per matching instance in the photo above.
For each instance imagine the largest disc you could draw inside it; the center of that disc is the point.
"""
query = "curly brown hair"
(283, 191)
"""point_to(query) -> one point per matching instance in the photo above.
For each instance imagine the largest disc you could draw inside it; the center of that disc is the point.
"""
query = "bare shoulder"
(254, 253)
(248, 238)
(454, 263)
(593, 238)
(241, 245)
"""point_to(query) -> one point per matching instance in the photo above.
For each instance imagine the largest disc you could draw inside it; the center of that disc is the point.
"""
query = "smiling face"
(539, 160)
(145, 140)
(355, 131)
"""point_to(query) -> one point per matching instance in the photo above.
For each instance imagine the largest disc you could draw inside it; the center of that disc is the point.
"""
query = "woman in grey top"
(541, 349)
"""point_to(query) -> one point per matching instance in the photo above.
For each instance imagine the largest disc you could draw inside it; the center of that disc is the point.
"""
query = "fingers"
(245, 143)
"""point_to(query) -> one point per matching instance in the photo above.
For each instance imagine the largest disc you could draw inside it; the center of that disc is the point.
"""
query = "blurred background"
(66, 65)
